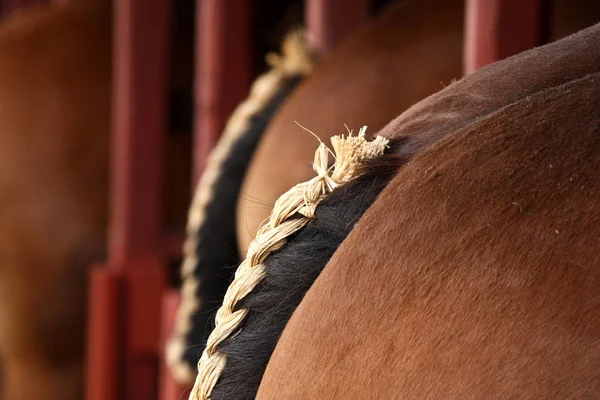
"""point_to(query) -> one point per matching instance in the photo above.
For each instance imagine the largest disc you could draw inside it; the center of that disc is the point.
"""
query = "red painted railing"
(496, 29)
(330, 21)
(125, 295)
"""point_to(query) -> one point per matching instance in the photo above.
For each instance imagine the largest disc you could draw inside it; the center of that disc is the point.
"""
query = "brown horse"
(411, 50)
(54, 113)
(373, 49)
(279, 158)
(475, 273)
(55, 92)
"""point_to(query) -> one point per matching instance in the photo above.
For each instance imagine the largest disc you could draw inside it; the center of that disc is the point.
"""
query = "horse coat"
(291, 270)
(372, 50)
(475, 272)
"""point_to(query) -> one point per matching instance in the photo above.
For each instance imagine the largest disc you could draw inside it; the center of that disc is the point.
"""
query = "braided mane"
(292, 211)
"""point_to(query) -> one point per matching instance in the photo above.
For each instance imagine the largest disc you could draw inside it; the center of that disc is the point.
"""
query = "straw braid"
(297, 60)
(292, 211)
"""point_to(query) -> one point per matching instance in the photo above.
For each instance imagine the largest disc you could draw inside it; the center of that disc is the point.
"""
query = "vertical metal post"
(330, 21)
(223, 69)
(139, 112)
(126, 296)
(169, 389)
(223, 72)
(496, 29)
(105, 332)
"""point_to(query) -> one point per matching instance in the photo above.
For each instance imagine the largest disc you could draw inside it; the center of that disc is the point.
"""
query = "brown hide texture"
(407, 53)
(54, 120)
(476, 272)
(411, 50)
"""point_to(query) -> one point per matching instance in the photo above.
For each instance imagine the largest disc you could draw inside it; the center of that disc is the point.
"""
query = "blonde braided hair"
(297, 60)
(292, 211)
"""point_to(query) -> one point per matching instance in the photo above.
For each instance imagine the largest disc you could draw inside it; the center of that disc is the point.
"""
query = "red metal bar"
(496, 29)
(169, 389)
(140, 88)
(223, 68)
(330, 21)
(104, 372)
(145, 285)
(172, 245)
(136, 242)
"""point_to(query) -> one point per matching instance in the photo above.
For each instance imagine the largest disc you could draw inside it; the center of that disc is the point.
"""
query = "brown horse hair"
(445, 256)
(211, 227)
(291, 270)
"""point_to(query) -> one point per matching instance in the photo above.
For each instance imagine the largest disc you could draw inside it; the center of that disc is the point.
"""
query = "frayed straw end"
(352, 151)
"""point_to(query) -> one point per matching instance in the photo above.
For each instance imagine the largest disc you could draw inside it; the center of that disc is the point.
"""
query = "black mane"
(291, 271)
(218, 240)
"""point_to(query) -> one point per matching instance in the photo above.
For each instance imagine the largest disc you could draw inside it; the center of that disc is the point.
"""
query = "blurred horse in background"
(55, 74)
(55, 117)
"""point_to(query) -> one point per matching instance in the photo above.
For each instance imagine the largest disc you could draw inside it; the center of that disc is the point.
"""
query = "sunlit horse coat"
(475, 273)
(292, 270)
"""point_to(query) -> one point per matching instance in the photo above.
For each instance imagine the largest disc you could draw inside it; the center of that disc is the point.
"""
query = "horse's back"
(474, 274)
